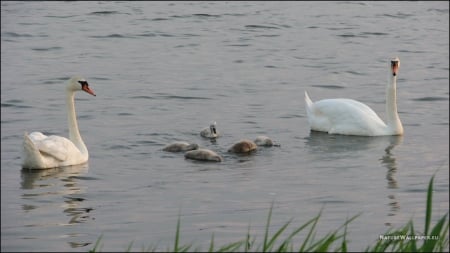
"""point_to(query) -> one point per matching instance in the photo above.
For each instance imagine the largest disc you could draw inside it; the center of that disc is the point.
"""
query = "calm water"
(162, 71)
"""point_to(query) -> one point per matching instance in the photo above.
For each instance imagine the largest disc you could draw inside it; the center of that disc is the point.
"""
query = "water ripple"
(14, 103)
(362, 34)
(101, 13)
(17, 35)
(399, 15)
(167, 96)
(328, 86)
(113, 35)
(430, 99)
(46, 48)
(261, 27)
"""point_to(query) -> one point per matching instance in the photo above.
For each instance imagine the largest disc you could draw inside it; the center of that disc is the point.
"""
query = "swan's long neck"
(393, 120)
(74, 133)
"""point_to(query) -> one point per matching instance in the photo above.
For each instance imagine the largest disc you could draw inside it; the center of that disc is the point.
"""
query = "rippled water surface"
(162, 71)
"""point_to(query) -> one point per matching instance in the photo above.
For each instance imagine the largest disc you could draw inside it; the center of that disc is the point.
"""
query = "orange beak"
(88, 90)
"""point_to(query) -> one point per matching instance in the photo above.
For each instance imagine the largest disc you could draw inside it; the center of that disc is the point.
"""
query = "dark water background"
(162, 71)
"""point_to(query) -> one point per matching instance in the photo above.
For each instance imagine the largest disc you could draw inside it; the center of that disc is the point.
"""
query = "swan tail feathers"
(308, 103)
(31, 155)
(307, 99)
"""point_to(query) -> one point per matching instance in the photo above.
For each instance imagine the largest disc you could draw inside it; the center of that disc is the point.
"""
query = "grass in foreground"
(405, 239)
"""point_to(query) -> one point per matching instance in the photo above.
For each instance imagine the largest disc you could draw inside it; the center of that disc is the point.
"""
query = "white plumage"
(42, 152)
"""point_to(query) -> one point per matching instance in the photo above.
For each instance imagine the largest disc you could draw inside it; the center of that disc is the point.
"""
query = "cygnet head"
(210, 132)
(78, 83)
(212, 127)
(243, 146)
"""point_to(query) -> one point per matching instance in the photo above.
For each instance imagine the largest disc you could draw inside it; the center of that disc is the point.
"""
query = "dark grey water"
(162, 71)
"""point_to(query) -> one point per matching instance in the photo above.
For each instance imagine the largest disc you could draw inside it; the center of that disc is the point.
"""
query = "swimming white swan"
(211, 131)
(42, 152)
(243, 146)
(203, 155)
(180, 146)
(350, 117)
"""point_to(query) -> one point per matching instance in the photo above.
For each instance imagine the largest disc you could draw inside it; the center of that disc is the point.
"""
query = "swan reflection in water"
(390, 162)
(45, 187)
(332, 147)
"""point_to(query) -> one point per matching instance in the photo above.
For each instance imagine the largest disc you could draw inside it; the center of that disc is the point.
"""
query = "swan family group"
(334, 116)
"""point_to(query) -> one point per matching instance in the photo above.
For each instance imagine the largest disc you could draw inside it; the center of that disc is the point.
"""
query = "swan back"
(180, 146)
(41, 152)
(243, 146)
(263, 141)
(203, 155)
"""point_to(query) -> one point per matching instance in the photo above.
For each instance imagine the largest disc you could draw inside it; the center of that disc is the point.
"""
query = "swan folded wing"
(57, 147)
(345, 116)
(37, 136)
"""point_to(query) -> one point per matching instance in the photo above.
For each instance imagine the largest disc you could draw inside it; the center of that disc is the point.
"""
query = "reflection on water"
(45, 187)
(335, 144)
(388, 160)
(34, 179)
(339, 146)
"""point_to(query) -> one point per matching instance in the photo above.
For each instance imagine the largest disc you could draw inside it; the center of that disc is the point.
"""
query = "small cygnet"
(243, 146)
(203, 155)
(265, 141)
(180, 146)
(211, 131)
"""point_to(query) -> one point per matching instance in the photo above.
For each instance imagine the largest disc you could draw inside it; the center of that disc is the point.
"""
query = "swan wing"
(58, 147)
(344, 116)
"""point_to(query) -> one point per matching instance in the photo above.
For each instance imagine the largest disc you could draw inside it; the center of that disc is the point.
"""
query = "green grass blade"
(177, 235)
(266, 234)
(413, 242)
(443, 237)
(429, 204)
(429, 244)
(97, 243)
(186, 248)
(311, 230)
(231, 247)
(248, 244)
(286, 242)
(276, 235)
(129, 246)
(344, 240)
(211, 245)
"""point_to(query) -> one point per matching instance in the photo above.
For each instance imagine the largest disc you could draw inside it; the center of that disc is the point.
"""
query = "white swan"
(211, 131)
(180, 146)
(243, 146)
(42, 152)
(350, 117)
(203, 155)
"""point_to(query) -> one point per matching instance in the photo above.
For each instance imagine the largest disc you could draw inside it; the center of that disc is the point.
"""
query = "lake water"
(162, 71)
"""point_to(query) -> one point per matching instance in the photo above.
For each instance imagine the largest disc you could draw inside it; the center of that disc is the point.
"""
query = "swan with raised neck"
(350, 117)
(41, 151)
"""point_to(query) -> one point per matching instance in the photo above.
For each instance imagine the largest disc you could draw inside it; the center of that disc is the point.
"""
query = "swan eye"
(83, 83)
